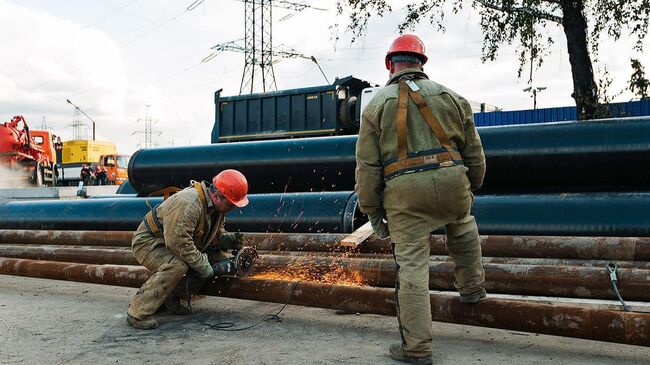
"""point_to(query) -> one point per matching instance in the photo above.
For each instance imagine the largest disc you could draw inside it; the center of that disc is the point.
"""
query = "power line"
(148, 130)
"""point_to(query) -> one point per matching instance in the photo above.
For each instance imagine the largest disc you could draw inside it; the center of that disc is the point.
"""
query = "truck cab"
(116, 167)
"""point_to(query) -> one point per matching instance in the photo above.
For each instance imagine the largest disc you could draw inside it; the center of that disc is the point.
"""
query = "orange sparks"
(307, 269)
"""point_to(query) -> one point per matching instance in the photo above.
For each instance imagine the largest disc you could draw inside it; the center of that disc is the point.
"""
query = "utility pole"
(257, 46)
(534, 90)
(148, 130)
(77, 124)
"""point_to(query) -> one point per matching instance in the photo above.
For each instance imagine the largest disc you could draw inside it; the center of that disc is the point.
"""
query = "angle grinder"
(245, 261)
(241, 264)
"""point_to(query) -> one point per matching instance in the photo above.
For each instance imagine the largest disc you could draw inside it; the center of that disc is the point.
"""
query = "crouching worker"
(173, 239)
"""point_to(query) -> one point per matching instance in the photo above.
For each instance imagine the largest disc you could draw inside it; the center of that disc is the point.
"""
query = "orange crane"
(28, 151)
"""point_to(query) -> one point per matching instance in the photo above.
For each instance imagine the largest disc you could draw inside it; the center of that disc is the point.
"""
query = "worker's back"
(435, 195)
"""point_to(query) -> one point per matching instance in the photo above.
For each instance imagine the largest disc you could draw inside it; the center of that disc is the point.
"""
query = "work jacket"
(417, 202)
(180, 217)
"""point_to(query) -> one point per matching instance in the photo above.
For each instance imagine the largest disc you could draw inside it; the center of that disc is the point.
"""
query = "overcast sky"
(112, 58)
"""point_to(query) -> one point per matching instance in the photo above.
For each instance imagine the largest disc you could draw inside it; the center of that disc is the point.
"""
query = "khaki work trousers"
(168, 278)
(412, 286)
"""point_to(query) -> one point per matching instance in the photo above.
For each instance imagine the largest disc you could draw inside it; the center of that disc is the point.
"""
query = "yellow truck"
(77, 153)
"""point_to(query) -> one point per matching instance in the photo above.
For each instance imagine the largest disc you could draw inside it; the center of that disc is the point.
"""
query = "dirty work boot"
(173, 305)
(397, 353)
(142, 324)
(473, 298)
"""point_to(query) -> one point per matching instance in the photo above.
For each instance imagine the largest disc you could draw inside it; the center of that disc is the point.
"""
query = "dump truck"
(325, 110)
(29, 152)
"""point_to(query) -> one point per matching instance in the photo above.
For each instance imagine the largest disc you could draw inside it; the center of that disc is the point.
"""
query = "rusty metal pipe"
(75, 238)
(569, 281)
(586, 248)
(78, 254)
(132, 276)
(123, 256)
(493, 260)
(562, 320)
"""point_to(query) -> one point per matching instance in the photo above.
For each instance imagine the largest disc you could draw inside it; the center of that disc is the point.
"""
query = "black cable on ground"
(230, 326)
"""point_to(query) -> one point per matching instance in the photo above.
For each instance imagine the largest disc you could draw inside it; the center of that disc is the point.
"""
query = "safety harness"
(153, 224)
(421, 160)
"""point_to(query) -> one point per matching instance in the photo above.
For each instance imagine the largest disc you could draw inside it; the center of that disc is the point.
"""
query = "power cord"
(230, 326)
(612, 267)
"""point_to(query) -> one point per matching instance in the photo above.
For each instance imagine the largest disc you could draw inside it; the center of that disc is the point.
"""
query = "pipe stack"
(567, 199)
(598, 155)
(567, 275)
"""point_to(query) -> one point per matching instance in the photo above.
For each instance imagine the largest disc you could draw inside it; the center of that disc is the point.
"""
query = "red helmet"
(233, 185)
(406, 43)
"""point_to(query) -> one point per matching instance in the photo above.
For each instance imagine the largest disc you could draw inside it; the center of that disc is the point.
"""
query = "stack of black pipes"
(574, 178)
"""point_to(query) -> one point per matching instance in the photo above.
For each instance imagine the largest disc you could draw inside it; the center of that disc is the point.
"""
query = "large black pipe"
(602, 155)
(590, 214)
(291, 212)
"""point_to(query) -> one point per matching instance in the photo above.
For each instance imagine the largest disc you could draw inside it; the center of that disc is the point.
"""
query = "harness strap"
(432, 121)
(154, 225)
(200, 229)
(402, 128)
(152, 222)
(449, 157)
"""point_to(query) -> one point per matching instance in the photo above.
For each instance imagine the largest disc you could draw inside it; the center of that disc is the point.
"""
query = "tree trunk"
(584, 86)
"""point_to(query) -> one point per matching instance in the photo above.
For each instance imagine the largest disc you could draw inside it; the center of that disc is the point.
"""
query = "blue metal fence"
(560, 114)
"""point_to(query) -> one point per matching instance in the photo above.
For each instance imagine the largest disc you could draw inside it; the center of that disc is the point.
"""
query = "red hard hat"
(406, 43)
(233, 185)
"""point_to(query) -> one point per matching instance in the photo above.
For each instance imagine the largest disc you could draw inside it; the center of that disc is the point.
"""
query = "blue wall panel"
(628, 109)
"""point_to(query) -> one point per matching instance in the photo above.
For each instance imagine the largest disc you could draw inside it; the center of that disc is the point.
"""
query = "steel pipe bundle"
(557, 280)
(551, 247)
(599, 155)
(612, 214)
(571, 321)
(566, 281)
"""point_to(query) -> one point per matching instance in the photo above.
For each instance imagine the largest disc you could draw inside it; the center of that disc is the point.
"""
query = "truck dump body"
(311, 111)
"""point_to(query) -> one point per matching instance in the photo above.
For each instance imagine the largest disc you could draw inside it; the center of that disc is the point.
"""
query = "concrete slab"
(56, 322)
(63, 192)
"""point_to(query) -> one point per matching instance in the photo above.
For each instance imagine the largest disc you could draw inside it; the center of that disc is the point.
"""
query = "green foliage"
(639, 84)
(524, 23)
(611, 17)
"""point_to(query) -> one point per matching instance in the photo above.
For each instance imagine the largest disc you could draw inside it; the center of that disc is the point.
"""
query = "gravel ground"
(56, 322)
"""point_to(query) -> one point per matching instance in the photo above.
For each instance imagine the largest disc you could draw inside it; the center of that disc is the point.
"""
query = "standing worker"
(419, 158)
(102, 175)
(173, 237)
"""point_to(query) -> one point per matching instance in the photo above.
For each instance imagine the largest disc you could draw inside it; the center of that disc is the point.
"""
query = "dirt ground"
(56, 322)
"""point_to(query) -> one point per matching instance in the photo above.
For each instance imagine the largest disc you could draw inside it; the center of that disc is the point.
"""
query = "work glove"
(205, 272)
(224, 267)
(378, 225)
(231, 241)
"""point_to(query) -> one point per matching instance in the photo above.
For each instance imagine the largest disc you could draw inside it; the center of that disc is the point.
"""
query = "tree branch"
(533, 12)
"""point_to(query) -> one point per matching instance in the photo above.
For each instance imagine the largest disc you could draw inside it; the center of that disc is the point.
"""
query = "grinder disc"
(245, 261)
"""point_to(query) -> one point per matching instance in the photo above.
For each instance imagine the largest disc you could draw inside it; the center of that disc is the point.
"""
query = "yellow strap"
(402, 128)
(200, 229)
(431, 120)
(166, 192)
(153, 227)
